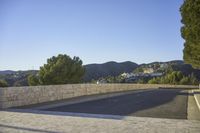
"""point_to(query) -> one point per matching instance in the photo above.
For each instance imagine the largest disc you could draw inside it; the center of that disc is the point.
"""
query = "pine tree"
(61, 70)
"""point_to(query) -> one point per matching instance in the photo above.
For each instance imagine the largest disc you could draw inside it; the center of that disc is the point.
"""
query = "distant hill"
(96, 71)
(177, 65)
(6, 72)
(173, 62)
(93, 71)
(16, 78)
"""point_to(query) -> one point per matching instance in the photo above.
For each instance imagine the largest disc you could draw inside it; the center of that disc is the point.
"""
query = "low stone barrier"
(27, 95)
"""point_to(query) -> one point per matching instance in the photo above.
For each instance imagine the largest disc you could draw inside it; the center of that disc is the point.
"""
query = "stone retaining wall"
(19, 96)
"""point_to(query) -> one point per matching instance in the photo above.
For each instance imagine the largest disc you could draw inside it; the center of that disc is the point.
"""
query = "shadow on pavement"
(162, 103)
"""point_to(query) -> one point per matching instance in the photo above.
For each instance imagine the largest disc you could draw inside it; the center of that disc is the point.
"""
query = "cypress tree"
(190, 12)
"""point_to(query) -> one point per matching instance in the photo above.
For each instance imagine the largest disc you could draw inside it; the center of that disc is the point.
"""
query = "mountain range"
(96, 71)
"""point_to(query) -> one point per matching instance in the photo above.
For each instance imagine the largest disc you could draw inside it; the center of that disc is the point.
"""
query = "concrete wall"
(19, 96)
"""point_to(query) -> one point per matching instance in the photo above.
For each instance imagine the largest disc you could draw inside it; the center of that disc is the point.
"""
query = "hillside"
(96, 71)
(93, 71)
(16, 78)
(6, 72)
(175, 65)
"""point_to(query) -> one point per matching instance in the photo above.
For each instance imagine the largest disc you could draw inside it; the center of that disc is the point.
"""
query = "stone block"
(67, 95)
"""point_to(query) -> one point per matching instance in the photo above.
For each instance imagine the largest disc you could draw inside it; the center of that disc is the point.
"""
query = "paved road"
(19, 122)
(160, 103)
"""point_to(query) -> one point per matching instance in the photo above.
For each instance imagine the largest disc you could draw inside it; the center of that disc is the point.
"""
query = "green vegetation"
(3, 83)
(176, 78)
(108, 72)
(190, 11)
(114, 79)
(97, 71)
(16, 78)
(59, 70)
(138, 70)
(173, 73)
(33, 80)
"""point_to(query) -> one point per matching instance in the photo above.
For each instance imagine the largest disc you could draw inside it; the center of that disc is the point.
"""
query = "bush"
(3, 83)
(33, 80)
(176, 78)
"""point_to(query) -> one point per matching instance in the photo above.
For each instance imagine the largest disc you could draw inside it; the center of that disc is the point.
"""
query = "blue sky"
(97, 31)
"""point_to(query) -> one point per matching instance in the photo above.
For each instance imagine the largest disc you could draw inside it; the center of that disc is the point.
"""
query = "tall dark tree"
(190, 11)
(61, 70)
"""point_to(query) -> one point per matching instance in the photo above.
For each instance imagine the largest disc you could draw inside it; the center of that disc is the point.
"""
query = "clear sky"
(97, 31)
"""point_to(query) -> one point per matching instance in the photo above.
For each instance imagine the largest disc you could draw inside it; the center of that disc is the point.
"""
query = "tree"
(190, 11)
(185, 81)
(61, 70)
(193, 79)
(189, 80)
(154, 81)
(3, 83)
(176, 78)
(33, 80)
(138, 70)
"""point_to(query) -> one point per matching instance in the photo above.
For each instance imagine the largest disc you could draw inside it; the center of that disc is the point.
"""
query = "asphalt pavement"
(157, 103)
